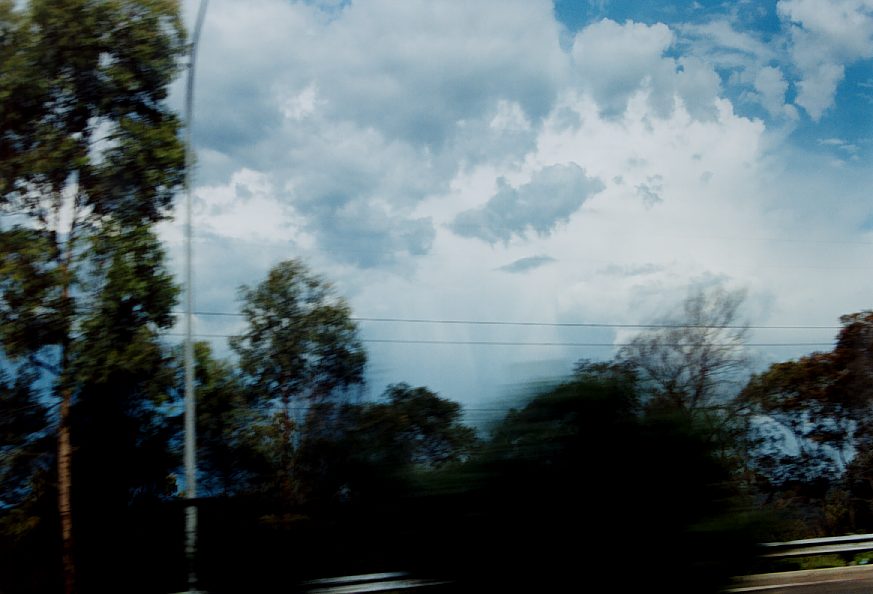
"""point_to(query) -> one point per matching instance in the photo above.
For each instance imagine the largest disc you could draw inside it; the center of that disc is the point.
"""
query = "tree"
(119, 417)
(565, 478)
(229, 461)
(24, 466)
(413, 426)
(692, 359)
(301, 348)
(693, 362)
(87, 148)
(367, 449)
(22, 420)
(353, 464)
(122, 411)
(823, 401)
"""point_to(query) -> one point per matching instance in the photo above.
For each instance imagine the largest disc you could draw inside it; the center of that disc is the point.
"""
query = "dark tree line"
(797, 435)
(282, 439)
(338, 485)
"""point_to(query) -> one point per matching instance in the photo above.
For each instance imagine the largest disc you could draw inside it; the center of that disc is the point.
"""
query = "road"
(841, 580)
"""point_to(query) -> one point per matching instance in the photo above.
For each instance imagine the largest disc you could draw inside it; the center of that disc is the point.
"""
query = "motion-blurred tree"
(301, 349)
(87, 148)
(691, 359)
(565, 479)
(694, 362)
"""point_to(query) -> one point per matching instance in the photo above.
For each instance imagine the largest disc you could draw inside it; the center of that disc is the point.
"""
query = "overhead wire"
(539, 343)
(557, 324)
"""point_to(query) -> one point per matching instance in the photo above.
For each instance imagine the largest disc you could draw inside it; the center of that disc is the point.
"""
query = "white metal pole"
(190, 409)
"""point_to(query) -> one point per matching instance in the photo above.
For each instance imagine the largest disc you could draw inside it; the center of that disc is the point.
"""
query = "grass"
(823, 562)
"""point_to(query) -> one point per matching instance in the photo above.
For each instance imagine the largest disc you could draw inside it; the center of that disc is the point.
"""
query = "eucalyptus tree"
(300, 348)
(88, 149)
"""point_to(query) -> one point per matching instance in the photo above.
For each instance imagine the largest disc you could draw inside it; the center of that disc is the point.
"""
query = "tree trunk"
(65, 454)
(65, 447)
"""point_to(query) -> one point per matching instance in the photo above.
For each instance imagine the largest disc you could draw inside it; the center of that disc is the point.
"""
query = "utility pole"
(190, 409)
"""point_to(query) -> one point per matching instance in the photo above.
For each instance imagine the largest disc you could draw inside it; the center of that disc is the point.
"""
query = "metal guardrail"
(808, 547)
(831, 578)
(371, 582)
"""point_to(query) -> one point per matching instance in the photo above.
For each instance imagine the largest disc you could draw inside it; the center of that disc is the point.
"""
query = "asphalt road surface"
(841, 580)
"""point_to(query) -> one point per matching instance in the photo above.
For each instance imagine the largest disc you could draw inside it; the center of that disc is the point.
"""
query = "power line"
(587, 324)
(552, 324)
(549, 343)
(464, 409)
(579, 344)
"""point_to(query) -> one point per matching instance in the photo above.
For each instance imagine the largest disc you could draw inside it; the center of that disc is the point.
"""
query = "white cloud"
(815, 93)
(359, 111)
(616, 61)
(826, 36)
(697, 85)
(354, 135)
(416, 68)
(771, 87)
(723, 45)
(301, 105)
(245, 208)
(748, 63)
(848, 147)
(509, 116)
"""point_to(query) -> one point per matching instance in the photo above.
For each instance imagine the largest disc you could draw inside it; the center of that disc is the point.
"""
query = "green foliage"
(228, 456)
(88, 153)
(693, 364)
(32, 308)
(282, 428)
(353, 468)
(133, 295)
(367, 451)
(300, 349)
(90, 156)
(121, 378)
(83, 90)
(300, 343)
(119, 366)
(414, 426)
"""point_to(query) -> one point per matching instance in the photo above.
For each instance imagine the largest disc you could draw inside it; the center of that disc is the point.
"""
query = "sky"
(575, 161)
